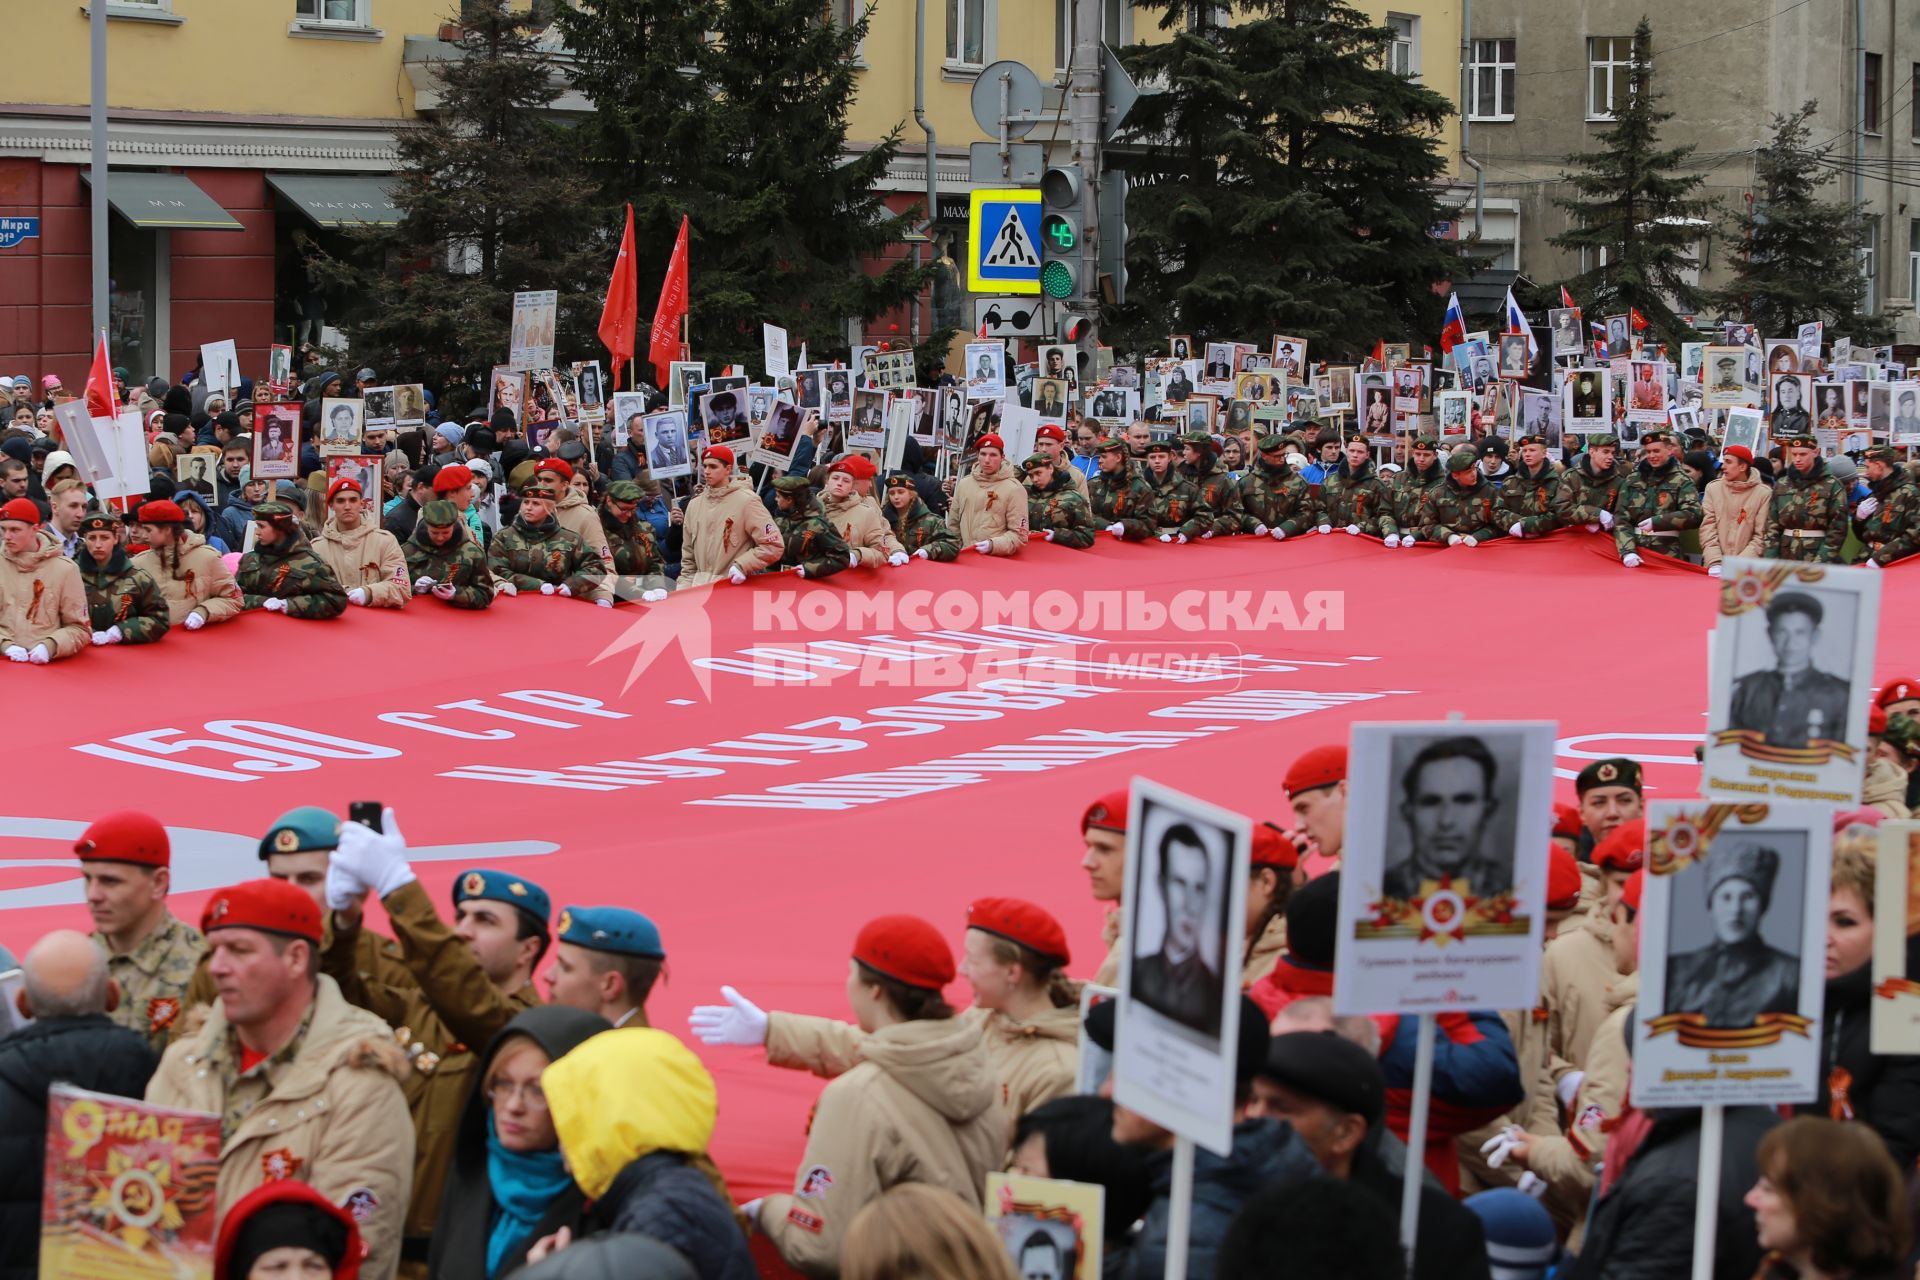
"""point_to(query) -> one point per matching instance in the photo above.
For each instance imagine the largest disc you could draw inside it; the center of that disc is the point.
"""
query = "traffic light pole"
(1084, 88)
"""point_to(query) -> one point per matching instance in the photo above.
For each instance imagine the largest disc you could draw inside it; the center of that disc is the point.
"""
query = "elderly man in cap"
(855, 517)
(1121, 502)
(365, 559)
(1656, 501)
(605, 961)
(1808, 515)
(1739, 975)
(305, 1085)
(727, 532)
(536, 554)
(640, 572)
(1887, 521)
(126, 863)
(471, 980)
(1795, 703)
(282, 574)
(444, 559)
(1055, 509)
(43, 604)
(124, 603)
(989, 508)
(812, 548)
(1590, 488)
(298, 848)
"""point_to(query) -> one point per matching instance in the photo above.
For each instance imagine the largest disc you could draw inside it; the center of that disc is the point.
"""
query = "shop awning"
(151, 200)
(337, 199)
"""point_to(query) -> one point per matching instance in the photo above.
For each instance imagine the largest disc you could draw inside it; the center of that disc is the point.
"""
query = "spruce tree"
(1632, 206)
(1794, 252)
(494, 203)
(1287, 182)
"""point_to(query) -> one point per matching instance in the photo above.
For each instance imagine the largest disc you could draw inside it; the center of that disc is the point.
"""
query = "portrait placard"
(1113, 404)
(1216, 378)
(590, 391)
(1290, 356)
(276, 441)
(363, 469)
(1376, 403)
(778, 435)
(1791, 678)
(1904, 428)
(1051, 398)
(723, 415)
(890, 370)
(682, 374)
(279, 368)
(986, 370)
(507, 389)
(531, 343)
(1724, 379)
(1732, 941)
(1587, 401)
(409, 405)
(1647, 392)
(665, 435)
(1569, 331)
(625, 410)
(1180, 346)
(1052, 1229)
(869, 426)
(378, 409)
(1095, 1064)
(773, 344)
(196, 471)
(1540, 414)
(1339, 394)
(1444, 874)
(1179, 1015)
(1745, 427)
(1019, 428)
(1896, 918)
(1454, 412)
(952, 418)
(1788, 398)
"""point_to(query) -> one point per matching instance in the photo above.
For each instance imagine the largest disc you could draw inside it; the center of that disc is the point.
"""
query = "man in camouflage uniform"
(1589, 488)
(924, 534)
(1219, 511)
(124, 603)
(444, 561)
(1807, 516)
(126, 861)
(1526, 498)
(1274, 499)
(1465, 511)
(639, 568)
(535, 553)
(282, 574)
(1055, 509)
(1176, 503)
(1353, 497)
(1410, 492)
(1887, 521)
(813, 547)
(1120, 499)
(1656, 502)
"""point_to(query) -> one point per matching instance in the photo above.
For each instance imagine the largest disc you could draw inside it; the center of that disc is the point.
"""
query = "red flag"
(664, 349)
(1639, 321)
(1380, 352)
(101, 402)
(620, 317)
(1566, 299)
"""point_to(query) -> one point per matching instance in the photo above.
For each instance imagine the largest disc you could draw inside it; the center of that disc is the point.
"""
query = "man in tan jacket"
(305, 1085)
(727, 532)
(857, 519)
(1733, 518)
(195, 580)
(989, 507)
(43, 604)
(366, 558)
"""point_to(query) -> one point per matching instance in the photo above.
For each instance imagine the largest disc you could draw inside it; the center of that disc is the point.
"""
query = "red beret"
(161, 512)
(1905, 689)
(545, 467)
(718, 452)
(1273, 847)
(273, 906)
(1109, 813)
(990, 441)
(126, 836)
(1624, 849)
(1566, 820)
(904, 948)
(1048, 431)
(1630, 893)
(855, 465)
(1320, 767)
(447, 479)
(1563, 880)
(1020, 922)
(344, 482)
(23, 510)
(1876, 720)
(1739, 451)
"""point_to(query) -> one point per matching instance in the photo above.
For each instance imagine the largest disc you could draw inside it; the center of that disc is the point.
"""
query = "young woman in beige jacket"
(1734, 509)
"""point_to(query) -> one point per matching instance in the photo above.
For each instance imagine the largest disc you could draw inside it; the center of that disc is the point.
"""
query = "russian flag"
(1599, 332)
(1517, 323)
(1454, 331)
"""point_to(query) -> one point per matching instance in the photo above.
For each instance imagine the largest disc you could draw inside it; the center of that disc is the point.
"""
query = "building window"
(345, 13)
(1403, 50)
(1913, 259)
(1116, 28)
(1870, 75)
(1609, 75)
(1868, 255)
(967, 32)
(1491, 83)
(1205, 16)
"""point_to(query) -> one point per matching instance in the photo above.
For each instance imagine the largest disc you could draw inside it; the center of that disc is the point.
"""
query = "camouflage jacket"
(812, 543)
(1176, 503)
(546, 552)
(1277, 497)
(1060, 510)
(1123, 499)
(1472, 512)
(1581, 495)
(1356, 498)
(637, 562)
(1891, 533)
(1219, 509)
(290, 570)
(460, 564)
(1527, 499)
(119, 595)
(1665, 495)
(918, 527)
(1410, 491)
(153, 979)
(1807, 517)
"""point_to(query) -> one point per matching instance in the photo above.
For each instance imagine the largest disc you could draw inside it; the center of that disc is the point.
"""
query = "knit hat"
(452, 433)
(1522, 1243)
(906, 949)
(126, 836)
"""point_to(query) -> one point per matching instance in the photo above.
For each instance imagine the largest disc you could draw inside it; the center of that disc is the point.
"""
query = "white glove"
(1593, 528)
(751, 1212)
(508, 589)
(1533, 1184)
(1514, 530)
(800, 571)
(1166, 537)
(1407, 540)
(653, 597)
(1569, 1086)
(195, 621)
(443, 590)
(40, 655)
(564, 590)
(921, 554)
(1353, 530)
(604, 604)
(853, 559)
(1206, 535)
(738, 1021)
(1453, 539)
(984, 546)
(1392, 540)
(424, 584)
(1116, 528)
(356, 595)
(1714, 570)
(1645, 526)
(1259, 530)
(736, 575)
(1325, 528)
(897, 559)
(1631, 560)
(1180, 538)
(369, 860)
(110, 636)
(1497, 1148)
(1049, 535)
(1606, 518)
(274, 604)
(546, 588)
(1469, 541)
(1868, 505)
(16, 653)
(1871, 563)
(1279, 535)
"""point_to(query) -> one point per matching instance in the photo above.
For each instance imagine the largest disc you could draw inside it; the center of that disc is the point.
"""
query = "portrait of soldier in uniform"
(1176, 978)
(1737, 976)
(1793, 702)
(1449, 799)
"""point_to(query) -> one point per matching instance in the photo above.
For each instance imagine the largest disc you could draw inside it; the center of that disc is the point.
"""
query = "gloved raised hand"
(739, 1021)
(368, 860)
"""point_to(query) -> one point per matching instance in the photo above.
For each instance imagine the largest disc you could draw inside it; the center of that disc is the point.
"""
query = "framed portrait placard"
(1732, 926)
(1792, 676)
(276, 441)
(1179, 1018)
(340, 425)
(986, 370)
(1896, 917)
(1444, 874)
(665, 436)
(1050, 1227)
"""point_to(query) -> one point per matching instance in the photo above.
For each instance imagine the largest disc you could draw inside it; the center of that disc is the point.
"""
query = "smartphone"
(366, 813)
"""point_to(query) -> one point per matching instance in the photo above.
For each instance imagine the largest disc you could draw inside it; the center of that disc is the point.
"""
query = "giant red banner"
(763, 768)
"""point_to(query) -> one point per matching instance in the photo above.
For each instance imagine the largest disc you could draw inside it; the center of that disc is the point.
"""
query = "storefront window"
(133, 298)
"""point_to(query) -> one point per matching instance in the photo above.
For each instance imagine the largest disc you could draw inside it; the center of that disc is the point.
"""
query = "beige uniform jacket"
(202, 584)
(1575, 974)
(43, 601)
(991, 510)
(727, 525)
(366, 556)
(858, 521)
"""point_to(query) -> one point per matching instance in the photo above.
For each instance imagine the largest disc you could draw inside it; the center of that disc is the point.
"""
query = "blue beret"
(498, 886)
(615, 929)
(301, 830)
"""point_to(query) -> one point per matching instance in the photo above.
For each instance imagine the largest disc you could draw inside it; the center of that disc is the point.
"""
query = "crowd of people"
(484, 1094)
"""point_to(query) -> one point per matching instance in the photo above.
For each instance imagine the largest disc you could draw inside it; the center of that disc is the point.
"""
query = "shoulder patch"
(817, 1180)
(805, 1221)
(362, 1203)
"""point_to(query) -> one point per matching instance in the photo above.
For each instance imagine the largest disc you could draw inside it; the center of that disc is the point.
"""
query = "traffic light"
(1060, 231)
(1112, 201)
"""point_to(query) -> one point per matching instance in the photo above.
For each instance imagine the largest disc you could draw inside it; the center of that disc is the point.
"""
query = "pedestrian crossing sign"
(1003, 228)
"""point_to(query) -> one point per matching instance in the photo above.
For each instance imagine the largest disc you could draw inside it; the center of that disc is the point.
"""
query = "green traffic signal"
(1060, 232)
(1056, 280)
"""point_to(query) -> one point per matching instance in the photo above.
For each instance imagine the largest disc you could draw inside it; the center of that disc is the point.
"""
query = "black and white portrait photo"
(682, 375)
(724, 415)
(1220, 362)
(1050, 399)
(1178, 386)
(624, 414)
(1789, 394)
(953, 418)
(1513, 355)
(1619, 337)
(379, 408)
(1569, 336)
(809, 389)
(1059, 362)
(1180, 924)
(588, 380)
(1112, 404)
(1587, 399)
(666, 442)
(1733, 939)
(868, 429)
(986, 370)
(1180, 346)
(1448, 824)
(1788, 699)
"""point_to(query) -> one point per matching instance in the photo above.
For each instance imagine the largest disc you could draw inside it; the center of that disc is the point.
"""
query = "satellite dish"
(1023, 98)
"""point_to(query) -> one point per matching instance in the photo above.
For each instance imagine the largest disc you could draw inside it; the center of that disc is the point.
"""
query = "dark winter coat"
(662, 1195)
(1265, 1152)
(1452, 1244)
(1879, 1090)
(235, 514)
